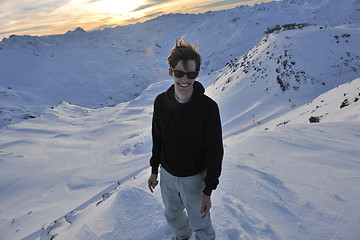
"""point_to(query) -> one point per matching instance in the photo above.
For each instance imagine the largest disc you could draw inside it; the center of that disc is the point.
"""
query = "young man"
(187, 143)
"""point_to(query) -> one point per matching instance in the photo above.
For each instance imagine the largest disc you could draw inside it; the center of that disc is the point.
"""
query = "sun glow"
(59, 16)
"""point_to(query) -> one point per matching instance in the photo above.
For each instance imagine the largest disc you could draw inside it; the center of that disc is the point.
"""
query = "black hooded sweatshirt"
(187, 137)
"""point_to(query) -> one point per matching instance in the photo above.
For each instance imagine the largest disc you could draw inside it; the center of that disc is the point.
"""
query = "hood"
(199, 91)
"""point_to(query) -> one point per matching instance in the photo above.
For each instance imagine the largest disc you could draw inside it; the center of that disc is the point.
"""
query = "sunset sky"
(44, 17)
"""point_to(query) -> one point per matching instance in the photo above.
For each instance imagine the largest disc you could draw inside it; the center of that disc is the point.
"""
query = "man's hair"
(184, 51)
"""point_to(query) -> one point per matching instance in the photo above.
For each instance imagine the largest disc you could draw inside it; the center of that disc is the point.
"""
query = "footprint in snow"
(336, 196)
(250, 223)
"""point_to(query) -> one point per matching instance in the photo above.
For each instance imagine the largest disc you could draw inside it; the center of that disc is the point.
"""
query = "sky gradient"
(45, 17)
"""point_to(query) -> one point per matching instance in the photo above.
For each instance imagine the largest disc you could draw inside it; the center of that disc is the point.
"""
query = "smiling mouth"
(184, 85)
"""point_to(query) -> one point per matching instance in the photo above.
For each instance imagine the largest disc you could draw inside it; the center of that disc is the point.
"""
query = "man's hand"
(152, 182)
(205, 205)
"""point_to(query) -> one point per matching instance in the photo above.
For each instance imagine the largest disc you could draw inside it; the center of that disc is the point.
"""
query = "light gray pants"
(180, 193)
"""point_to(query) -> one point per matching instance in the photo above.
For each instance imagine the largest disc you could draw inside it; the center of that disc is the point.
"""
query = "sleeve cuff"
(207, 191)
(155, 170)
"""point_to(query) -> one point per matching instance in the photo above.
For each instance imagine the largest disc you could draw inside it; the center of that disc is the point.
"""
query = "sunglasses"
(180, 74)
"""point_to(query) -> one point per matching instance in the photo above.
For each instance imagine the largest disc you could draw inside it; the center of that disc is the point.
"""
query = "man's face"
(183, 85)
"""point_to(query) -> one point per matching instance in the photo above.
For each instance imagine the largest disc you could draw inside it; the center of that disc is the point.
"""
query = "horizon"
(49, 18)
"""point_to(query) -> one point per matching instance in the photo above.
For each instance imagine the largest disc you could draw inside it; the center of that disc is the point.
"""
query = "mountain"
(290, 68)
(77, 166)
(121, 62)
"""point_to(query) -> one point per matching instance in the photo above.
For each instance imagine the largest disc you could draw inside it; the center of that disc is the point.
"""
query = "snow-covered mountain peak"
(289, 66)
(297, 56)
(76, 31)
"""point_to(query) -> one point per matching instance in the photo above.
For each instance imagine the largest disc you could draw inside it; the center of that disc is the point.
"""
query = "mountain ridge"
(78, 170)
(79, 64)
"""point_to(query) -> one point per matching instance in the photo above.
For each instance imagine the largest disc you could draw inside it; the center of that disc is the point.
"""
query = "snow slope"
(79, 172)
(87, 169)
(104, 68)
(283, 71)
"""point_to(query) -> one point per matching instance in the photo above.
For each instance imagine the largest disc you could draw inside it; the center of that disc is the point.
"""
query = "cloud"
(149, 16)
(41, 6)
(151, 3)
(217, 4)
(57, 16)
(27, 29)
(22, 13)
(39, 17)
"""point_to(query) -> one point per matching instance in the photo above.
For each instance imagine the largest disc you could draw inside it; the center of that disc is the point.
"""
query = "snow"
(76, 110)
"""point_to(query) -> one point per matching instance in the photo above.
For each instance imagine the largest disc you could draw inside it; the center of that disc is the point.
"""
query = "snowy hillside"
(332, 106)
(104, 68)
(286, 69)
(79, 170)
(77, 173)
